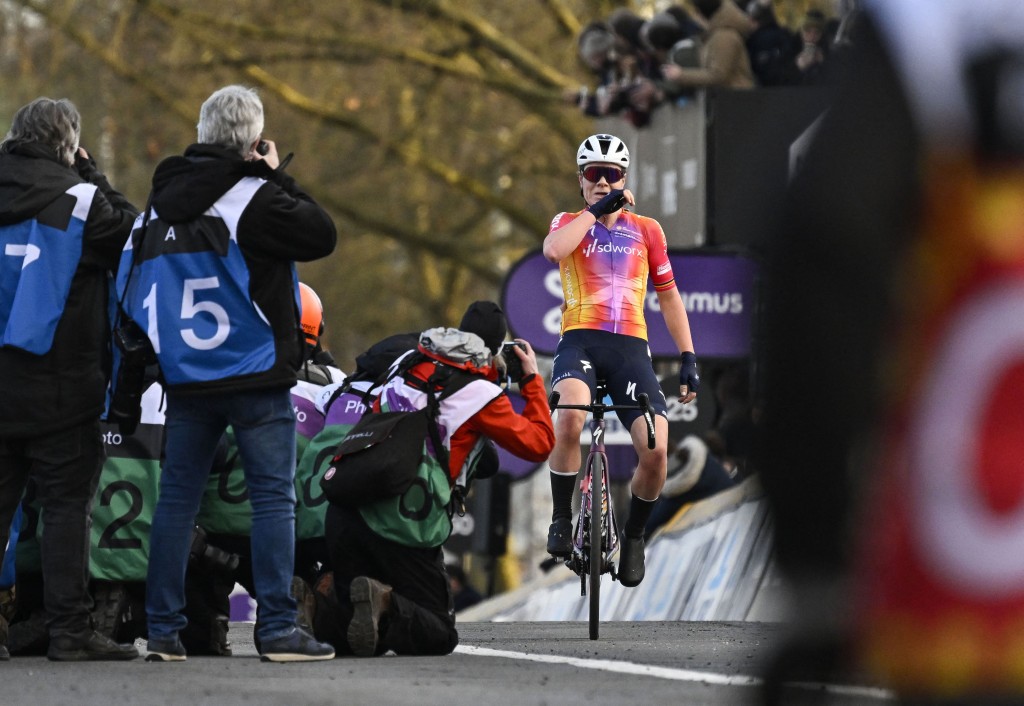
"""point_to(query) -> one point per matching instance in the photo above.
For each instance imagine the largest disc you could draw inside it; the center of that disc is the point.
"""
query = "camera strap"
(122, 315)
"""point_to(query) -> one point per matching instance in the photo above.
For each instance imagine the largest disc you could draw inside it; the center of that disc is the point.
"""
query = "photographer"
(211, 269)
(724, 61)
(62, 227)
(389, 589)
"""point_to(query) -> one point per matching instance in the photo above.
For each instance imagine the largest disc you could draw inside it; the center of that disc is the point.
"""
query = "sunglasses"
(610, 174)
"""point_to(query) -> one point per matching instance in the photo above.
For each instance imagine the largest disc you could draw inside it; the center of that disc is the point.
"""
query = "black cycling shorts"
(624, 362)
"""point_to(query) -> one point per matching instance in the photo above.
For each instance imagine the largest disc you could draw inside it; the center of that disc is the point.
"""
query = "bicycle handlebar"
(643, 404)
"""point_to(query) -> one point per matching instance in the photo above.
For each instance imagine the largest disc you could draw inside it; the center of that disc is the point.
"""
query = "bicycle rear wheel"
(596, 541)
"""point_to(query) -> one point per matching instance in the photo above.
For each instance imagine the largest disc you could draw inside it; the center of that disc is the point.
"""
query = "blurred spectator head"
(691, 25)
(603, 148)
(596, 45)
(812, 28)
(659, 33)
(763, 15)
(626, 24)
(707, 8)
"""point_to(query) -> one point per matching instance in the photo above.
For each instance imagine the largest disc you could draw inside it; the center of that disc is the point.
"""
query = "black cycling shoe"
(631, 560)
(560, 537)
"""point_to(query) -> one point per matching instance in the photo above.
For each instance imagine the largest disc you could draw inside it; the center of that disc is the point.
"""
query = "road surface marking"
(690, 675)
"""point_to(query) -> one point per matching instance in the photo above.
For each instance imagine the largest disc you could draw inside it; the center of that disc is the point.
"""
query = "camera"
(513, 366)
(685, 53)
(208, 557)
(136, 354)
(262, 147)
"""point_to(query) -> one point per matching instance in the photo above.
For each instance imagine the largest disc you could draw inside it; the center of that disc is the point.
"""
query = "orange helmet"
(312, 321)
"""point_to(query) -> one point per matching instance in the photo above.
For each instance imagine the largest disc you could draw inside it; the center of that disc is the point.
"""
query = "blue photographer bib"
(38, 260)
(190, 292)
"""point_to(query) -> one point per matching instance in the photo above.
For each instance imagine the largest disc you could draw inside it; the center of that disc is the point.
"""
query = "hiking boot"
(87, 646)
(371, 600)
(165, 649)
(305, 603)
(631, 561)
(296, 646)
(560, 537)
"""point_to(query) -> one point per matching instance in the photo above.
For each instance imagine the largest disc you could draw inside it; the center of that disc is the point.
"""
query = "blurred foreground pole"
(893, 445)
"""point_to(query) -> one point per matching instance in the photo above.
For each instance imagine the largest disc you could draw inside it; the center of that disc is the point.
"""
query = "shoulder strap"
(433, 411)
(136, 248)
(340, 390)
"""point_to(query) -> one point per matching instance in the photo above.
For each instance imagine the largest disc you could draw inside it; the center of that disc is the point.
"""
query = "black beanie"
(486, 320)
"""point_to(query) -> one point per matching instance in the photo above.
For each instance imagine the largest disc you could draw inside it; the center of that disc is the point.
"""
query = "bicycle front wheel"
(596, 541)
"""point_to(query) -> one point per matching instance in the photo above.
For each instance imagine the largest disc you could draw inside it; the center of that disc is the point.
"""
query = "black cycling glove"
(688, 371)
(609, 203)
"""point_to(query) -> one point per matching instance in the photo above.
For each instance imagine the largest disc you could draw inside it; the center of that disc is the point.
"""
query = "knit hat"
(486, 320)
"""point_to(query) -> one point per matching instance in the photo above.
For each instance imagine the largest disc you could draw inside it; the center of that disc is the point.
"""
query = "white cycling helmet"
(603, 148)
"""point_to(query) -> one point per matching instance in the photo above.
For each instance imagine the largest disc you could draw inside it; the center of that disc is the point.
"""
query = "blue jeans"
(264, 425)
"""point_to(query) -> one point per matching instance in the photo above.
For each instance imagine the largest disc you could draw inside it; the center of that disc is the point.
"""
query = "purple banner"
(717, 290)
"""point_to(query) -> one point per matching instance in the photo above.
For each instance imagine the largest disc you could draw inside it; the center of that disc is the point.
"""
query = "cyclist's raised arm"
(566, 234)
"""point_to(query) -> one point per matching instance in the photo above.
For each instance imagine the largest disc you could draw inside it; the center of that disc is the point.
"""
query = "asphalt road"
(496, 664)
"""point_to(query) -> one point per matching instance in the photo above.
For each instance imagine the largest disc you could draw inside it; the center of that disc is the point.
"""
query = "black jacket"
(66, 386)
(282, 224)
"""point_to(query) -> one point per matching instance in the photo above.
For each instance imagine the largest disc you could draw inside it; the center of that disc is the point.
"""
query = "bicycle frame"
(582, 554)
(596, 525)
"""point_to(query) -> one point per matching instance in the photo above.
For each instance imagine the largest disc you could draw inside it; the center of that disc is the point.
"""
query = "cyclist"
(605, 255)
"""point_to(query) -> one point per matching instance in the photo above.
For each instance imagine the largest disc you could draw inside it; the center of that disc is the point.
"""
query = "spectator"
(724, 59)
(340, 405)
(316, 374)
(665, 39)
(596, 48)
(731, 437)
(634, 67)
(811, 57)
(63, 227)
(694, 473)
(626, 26)
(772, 47)
(389, 589)
(692, 26)
(220, 243)
(463, 594)
(604, 335)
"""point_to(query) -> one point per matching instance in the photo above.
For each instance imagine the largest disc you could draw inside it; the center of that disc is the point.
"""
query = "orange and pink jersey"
(604, 280)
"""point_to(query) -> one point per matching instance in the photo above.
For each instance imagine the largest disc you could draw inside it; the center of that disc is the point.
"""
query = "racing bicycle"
(596, 535)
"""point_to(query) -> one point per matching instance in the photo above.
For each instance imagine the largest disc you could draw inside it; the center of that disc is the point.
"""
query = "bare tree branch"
(482, 267)
(109, 57)
(327, 113)
(488, 35)
(564, 16)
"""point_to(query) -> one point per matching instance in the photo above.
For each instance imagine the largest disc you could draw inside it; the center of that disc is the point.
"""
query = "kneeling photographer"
(389, 589)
